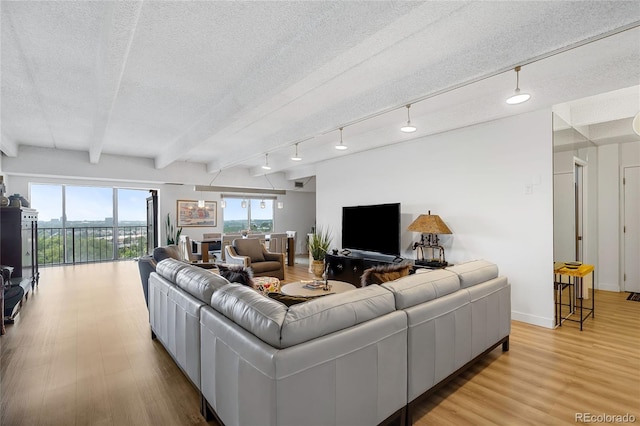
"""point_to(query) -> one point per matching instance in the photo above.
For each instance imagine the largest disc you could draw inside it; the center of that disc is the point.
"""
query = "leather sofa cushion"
(423, 287)
(167, 252)
(200, 283)
(250, 247)
(325, 315)
(259, 315)
(474, 272)
(169, 268)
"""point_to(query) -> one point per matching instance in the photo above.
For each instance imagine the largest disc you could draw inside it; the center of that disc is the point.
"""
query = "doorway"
(631, 229)
(152, 221)
(569, 192)
(578, 207)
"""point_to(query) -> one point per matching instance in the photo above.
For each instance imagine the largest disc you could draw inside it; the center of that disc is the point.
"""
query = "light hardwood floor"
(80, 353)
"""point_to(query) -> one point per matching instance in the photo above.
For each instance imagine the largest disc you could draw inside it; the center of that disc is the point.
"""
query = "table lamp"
(431, 225)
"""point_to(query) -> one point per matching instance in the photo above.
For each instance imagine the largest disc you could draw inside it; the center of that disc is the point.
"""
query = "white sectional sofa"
(363, 357)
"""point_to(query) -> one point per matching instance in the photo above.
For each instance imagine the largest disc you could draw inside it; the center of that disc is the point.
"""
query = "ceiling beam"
(8, 146)
(111, 61)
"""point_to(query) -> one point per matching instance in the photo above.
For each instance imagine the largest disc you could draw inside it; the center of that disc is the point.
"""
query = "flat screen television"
(373, 228)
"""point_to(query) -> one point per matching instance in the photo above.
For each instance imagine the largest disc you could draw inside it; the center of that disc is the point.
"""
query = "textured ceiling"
(223, 83)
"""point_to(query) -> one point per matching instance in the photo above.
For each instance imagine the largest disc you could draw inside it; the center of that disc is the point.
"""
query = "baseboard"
(608, 287)
(533, 319)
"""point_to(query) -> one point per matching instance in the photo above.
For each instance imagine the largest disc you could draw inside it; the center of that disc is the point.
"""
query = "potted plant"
(173, 234)
(319, 243)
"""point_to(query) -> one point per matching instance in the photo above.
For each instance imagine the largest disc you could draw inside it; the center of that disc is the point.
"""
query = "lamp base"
(431, 263)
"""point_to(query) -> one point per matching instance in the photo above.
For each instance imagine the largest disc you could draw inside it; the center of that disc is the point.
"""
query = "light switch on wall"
(528, 189)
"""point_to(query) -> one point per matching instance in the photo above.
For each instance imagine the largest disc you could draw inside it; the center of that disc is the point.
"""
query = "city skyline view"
(88, 203)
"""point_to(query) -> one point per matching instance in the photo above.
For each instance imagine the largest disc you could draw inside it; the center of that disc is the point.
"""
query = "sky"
(96, 203)
(88, 203)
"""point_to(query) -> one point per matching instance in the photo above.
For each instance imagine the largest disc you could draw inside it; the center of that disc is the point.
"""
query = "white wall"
(608, 217)
(612, 160)
(474, 178)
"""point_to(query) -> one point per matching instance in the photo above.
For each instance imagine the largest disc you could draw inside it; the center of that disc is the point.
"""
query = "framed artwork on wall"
(189, 214)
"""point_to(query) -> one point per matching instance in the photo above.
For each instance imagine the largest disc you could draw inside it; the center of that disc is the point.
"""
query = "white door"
(631, 230)
(563, 218)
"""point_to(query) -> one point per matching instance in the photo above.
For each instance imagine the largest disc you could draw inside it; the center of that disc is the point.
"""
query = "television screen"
(372, 228)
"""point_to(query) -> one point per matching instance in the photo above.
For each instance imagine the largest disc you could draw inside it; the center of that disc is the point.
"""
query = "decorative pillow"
(237, 274)
(291, 300)
(249, 247)
(383, 273)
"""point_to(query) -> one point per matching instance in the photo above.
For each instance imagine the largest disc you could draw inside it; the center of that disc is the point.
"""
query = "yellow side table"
(575, 278)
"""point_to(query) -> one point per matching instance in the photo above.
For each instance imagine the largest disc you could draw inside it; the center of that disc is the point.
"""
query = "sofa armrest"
(233, 258)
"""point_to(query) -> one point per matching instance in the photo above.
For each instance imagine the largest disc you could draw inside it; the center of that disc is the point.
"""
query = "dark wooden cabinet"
(19, 243)
(349, 268)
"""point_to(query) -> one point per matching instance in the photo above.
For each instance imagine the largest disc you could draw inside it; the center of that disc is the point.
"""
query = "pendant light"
(518, 97)
(266, 162)
(243, 204)
(295, 156)
(263, 204)
(201, 204)
(223, 203)
(341, 146)
(635, 124)
(408, 128)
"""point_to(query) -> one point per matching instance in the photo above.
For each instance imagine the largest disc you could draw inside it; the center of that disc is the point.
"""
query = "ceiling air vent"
(298, 184)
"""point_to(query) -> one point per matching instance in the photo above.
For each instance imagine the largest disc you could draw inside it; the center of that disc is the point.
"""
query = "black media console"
(349, 268)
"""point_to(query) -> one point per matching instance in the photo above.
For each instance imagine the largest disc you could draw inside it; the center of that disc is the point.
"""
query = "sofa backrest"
(169, 268)
(474, 272)
(281, 326)
(198, 282)
(422, 287)
(261, 316)
(249, 247)
(325, 315)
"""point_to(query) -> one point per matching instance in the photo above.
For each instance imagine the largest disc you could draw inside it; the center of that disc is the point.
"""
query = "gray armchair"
(249, 252)
(147, 264)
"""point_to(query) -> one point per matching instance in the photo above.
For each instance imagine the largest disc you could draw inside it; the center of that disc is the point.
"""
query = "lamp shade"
(429, 224)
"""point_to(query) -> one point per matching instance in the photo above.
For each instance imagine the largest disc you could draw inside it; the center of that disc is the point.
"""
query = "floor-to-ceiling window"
(89, 223)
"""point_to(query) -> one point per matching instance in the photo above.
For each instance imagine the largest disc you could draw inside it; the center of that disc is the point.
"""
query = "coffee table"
(298, 289)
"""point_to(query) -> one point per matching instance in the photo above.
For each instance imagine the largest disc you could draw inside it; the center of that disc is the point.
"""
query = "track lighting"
(295, 156)
(518, 97)
(341, 146)
(266, 162)
(408, 128)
